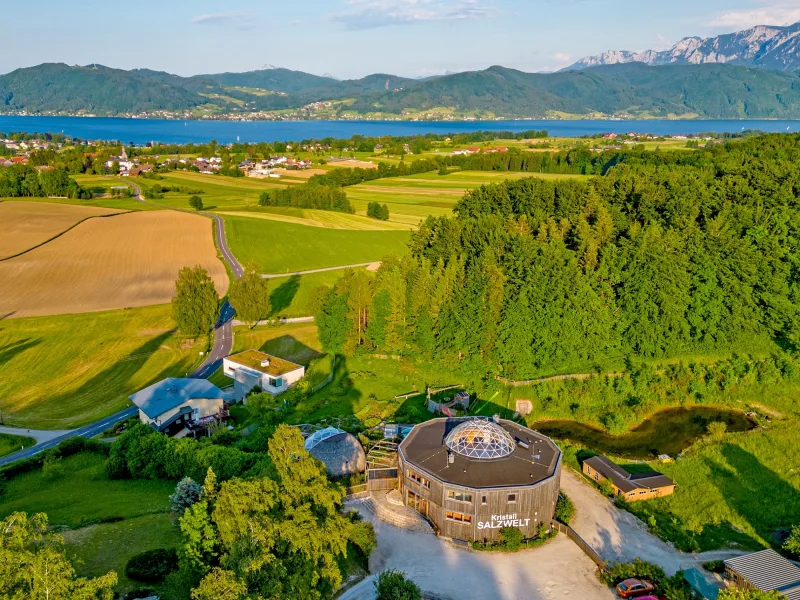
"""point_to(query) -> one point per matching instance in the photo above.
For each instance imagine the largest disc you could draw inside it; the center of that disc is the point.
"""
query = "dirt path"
(371, 266)
(557, 570)
(618, 536)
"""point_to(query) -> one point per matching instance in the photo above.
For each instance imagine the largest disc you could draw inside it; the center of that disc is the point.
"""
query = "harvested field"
(28, 224)
(352, 164)
(125, 261)
(301, 174)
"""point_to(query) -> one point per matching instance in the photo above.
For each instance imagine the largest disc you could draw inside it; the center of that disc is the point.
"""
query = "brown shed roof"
(625, 481)
(254, 359)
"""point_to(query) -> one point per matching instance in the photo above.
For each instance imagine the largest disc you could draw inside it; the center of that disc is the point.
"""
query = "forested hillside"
(711, 91)
(666, 253)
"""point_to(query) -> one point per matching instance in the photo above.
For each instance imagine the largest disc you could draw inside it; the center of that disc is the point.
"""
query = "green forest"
(664, 254)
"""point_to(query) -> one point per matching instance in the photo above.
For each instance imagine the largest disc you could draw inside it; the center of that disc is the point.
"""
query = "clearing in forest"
(28, 224)
(125, 261)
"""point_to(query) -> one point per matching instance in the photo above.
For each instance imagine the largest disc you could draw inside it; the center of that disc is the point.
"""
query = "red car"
(634, 588)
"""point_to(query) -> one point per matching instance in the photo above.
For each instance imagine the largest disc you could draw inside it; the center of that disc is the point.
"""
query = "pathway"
(618, 536)
(557, 570)
(371, 266)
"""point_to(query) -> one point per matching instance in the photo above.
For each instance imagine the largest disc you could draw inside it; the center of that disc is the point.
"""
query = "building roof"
(165, 395)
(480, 438)
(626, 482)
(534, 457)
(255, 359)
(767, 570)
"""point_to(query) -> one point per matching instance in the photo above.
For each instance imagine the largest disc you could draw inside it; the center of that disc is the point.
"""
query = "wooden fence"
(581, 543)
(356, 491)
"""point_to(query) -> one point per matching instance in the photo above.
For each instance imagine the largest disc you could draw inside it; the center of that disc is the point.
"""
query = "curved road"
(223, 343)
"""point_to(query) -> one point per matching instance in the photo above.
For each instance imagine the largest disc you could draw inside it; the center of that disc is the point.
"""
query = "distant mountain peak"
(269, 68)
(767, 46)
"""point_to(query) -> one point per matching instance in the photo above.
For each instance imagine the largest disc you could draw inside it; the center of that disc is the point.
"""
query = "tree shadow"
(290, 348)
(282, 296)
(745, 483)
(11, 350)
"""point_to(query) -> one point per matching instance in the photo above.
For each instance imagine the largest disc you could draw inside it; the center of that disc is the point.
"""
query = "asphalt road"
(223, 342)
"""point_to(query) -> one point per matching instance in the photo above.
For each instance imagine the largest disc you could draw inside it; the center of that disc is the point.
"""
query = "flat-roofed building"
(471, 477)
(253, 368)
(631, 486)
(766, 571)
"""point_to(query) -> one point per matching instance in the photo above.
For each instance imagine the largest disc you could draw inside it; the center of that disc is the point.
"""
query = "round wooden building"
(471, 477)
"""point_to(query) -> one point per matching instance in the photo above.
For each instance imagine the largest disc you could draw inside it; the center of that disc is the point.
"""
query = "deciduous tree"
(196, 302)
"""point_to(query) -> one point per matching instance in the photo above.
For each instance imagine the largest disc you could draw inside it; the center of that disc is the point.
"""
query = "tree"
(792, 543)
(187, 492)
(196, 301)
(249, 295)
(716, 430)
(34, 566)
(395, 585)
(196, 202)
(219, 584)
(332, 322)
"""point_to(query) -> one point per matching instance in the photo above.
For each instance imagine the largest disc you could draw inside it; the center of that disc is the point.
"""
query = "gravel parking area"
(557, 570)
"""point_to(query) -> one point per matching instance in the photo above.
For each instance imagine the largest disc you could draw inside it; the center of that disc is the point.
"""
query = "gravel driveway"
(557, 570)
(618, 536)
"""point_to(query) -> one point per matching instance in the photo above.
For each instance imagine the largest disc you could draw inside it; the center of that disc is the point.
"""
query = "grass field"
(28, 224)
(413, 198)
(122, 261)
(217, 192)
(276, 247)
(83, 494)
(97, 549)
(318, 218)
(290, 296)
(65, 371)
(12, 443)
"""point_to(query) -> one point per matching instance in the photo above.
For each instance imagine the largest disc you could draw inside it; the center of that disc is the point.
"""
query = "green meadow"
(65, 371)
(279, 247)
(12, 443)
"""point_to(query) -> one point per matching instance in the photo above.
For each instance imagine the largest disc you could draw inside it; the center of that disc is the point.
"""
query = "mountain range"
(762, 46)
(750, 74)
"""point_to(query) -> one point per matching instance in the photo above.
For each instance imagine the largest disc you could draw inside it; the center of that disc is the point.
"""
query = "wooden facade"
(640, 492)
(473, 514)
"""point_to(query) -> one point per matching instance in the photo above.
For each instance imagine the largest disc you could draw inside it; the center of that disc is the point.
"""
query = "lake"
(669, 431)
(141, 131)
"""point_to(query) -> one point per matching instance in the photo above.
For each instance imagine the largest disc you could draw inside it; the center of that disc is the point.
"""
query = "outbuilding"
(471, 477)
(631, 486)
(765, 571)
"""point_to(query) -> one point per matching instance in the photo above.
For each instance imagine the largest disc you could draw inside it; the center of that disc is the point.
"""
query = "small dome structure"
(341, 452)
(481, 439)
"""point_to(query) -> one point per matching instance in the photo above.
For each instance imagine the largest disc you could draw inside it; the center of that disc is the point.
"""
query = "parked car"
(634, 588)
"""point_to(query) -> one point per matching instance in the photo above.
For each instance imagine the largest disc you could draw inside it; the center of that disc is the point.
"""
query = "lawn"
(276, 247)
(65, 371)
(82, 494)
(738, 492)
(290, 296)
(11, 443)
(97, 549)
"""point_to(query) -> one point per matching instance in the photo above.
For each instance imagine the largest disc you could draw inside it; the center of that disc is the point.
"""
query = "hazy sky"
(352, 38)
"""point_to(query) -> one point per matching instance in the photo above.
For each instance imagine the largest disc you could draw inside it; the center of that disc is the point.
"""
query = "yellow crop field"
(119, 262)
(27, 224)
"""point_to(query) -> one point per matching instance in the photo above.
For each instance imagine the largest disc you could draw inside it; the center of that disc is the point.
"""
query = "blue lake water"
(140, 131)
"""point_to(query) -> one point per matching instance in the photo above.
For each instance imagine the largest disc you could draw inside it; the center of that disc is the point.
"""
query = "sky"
(352, 38)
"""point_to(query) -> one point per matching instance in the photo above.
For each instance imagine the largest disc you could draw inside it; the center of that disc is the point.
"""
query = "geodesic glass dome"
(480, 438)
(320, 436)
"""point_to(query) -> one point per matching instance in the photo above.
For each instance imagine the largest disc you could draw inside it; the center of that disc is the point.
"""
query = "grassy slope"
(12, 443)
(317, 218)
(64, 371)
(97, 549)
(290, 296)
(83, 494)
(276, 247)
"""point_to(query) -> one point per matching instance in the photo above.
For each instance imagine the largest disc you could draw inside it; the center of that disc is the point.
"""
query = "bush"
(511, 537)
(714, 566)
(565, 509)
(638, 569)
(394, 585)
(362, 534)
(187, 492)
(196, 202)
(52, 468)
(152, 566)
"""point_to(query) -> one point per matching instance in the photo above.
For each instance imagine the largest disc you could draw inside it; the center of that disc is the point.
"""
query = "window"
(642, 492)
(418, 478)
(458, 517)
(459, 496)
(276, 383)
(483, 500)
(512, 498)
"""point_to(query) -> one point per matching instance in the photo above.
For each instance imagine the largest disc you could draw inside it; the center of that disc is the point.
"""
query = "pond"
(669, 431)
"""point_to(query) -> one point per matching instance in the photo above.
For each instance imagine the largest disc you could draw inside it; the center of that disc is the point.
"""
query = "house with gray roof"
(173, 403)
(765, 571)
(631, 486)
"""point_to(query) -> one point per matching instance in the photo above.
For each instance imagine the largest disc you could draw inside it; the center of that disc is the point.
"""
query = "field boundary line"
(70, 228)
